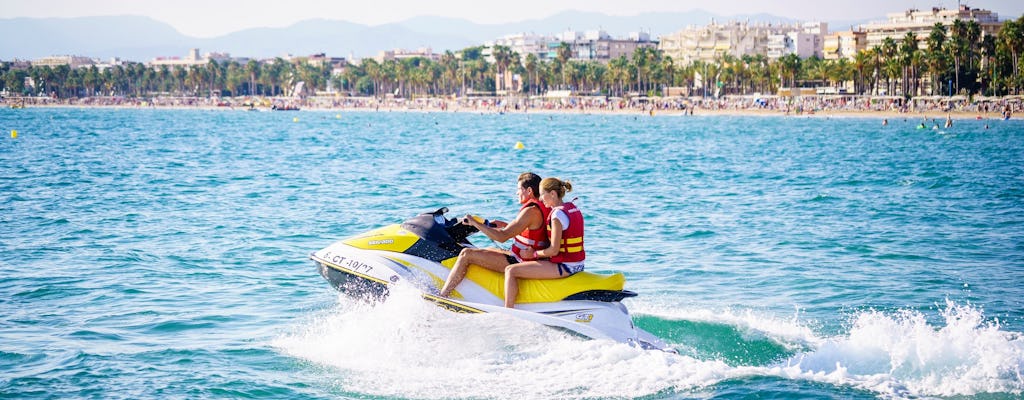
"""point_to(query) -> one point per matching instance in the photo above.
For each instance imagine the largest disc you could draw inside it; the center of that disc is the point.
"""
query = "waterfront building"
(402, 54)
(522, 43)
(191, 59)
(625, 47)
(844, 44)
(17, 64)
(921, 23)
(592, 45)
(322, 60)
(71, 61)
(706, 43)
(598, 45)
(805, 40)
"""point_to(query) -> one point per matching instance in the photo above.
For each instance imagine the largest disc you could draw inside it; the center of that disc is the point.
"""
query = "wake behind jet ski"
(420, 252)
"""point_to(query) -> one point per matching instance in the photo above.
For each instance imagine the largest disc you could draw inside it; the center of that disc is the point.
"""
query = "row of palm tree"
(229, 78)
(958, 59)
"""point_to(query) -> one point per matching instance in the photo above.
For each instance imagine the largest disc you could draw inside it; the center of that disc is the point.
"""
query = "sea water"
(164, 254)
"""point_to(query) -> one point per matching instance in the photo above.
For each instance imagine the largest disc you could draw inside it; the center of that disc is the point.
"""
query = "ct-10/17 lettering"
(334, 259)
(354, 265)
(357, 266)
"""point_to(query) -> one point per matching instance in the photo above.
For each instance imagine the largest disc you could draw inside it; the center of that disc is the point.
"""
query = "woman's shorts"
(566, 270)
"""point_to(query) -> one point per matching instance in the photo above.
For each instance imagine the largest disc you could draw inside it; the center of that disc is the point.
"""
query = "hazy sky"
(207, 18)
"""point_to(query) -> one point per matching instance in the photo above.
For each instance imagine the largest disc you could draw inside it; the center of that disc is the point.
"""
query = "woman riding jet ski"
(420, 251)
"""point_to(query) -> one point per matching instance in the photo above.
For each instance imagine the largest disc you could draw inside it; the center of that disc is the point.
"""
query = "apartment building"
(921, 22)
(522, 43)
(592, 45)
(191, 59)
(844, 44)
(401, 54)
(71, 61)
(805, 40)
(706, 43)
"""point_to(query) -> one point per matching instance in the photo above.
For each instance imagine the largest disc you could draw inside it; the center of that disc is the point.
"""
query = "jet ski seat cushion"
(548, 290)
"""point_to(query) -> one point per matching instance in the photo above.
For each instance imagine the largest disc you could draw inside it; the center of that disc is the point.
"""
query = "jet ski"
(420, 252)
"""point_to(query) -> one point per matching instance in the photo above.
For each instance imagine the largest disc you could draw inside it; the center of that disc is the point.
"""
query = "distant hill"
(142, 38)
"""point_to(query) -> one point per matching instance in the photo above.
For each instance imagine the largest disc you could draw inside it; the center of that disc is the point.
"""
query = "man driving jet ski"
(529, 229)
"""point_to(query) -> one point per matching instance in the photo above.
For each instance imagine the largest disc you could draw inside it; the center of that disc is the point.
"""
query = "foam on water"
(902, 353)
(405, 345)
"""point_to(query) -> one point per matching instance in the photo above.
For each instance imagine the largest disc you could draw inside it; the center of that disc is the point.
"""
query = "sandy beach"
(808, 107)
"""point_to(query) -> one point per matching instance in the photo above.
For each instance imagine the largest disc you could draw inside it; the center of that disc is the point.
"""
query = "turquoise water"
(164, 253)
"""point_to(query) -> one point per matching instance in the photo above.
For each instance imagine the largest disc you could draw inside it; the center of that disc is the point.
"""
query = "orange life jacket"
(571, 248)
(535, 238)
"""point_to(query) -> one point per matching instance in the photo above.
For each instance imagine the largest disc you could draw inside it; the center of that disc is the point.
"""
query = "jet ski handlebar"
(447, 232)
(435, 227)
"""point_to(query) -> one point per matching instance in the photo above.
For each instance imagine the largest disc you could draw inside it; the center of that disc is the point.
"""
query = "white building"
(921, 23)
(805, 40)
(844, 44)
(522, 43)
(592, 45)
(598, 45)
(402, 54)
(71, 61)
(706, 43)
(191, 59)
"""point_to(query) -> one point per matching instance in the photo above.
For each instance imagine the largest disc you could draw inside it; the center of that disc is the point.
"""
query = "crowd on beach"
(1003, 107)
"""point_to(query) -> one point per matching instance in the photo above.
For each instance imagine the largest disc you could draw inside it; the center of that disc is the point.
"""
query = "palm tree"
(1011, 41)
(957, 47)
(936, 58)
(789, 68)
(668, 69)
(532, 66)
(374, 71)
(252, 70)
(891, 63)
(564, 54)
(214, 74)
(179, 74)
(502, 59)
(840, 71)
(759, 73)
(908, 50)
(861, 64)
(449, 71)
(618, 73)
(974, 38)
(91, 80)
(988, 58)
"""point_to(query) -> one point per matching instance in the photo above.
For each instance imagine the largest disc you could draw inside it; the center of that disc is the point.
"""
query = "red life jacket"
(571, 248)
(534, 238)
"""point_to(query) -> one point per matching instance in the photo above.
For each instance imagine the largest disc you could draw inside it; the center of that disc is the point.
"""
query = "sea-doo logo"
(380, 242)
(584, 317)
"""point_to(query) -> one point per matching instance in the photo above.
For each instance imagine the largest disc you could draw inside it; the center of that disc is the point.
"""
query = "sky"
(210, 18)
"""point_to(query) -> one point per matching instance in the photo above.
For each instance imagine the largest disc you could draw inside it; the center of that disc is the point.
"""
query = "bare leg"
(492, 259)
(529, 270)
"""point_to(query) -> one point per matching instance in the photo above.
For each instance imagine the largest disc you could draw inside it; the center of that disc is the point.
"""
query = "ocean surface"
(164, 254)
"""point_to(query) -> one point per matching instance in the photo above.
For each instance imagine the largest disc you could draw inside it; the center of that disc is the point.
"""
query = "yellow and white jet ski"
(420, 252)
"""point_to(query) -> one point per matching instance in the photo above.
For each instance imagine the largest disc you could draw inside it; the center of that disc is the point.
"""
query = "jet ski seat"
(579, 286)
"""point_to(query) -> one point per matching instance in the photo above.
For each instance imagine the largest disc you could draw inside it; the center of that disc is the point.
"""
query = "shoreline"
(443, 107)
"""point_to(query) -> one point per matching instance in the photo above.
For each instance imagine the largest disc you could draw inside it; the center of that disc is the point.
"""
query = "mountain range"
(138, 38)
